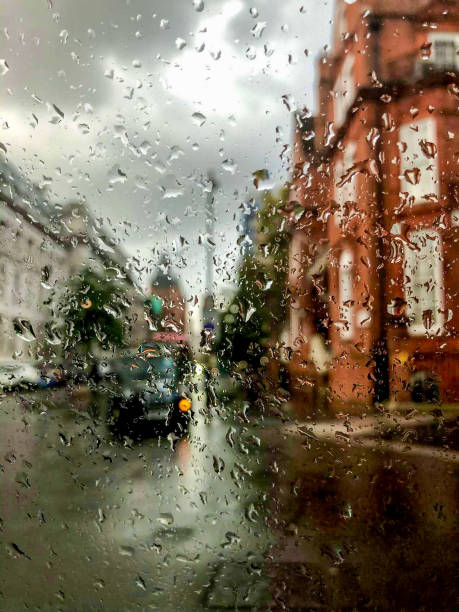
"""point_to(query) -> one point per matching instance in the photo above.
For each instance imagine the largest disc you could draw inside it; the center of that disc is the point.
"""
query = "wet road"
(365, 518)
(245, 513)
(91, 523)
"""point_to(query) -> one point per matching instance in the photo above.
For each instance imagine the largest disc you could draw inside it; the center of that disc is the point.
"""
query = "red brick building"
(374, 264)
(171, 317)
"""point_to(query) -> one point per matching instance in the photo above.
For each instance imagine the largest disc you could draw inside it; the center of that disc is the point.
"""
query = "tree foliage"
(254, 319)
(94, 311)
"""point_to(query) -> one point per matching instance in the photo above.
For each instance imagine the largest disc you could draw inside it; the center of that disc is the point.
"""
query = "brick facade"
(374, 261)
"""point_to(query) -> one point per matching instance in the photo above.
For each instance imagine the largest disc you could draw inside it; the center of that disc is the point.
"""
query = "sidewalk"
(406, 428)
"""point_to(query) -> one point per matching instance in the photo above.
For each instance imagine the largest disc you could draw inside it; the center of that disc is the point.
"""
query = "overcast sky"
(126, 104)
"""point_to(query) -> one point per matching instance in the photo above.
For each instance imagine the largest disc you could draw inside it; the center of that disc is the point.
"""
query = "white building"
(40, 249)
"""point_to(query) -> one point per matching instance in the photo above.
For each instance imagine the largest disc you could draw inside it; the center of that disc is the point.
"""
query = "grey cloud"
(134, 124)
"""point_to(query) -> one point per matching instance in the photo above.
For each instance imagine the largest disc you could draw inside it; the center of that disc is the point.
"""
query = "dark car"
(152, 392)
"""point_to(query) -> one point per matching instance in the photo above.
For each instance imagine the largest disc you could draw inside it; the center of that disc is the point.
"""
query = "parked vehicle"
(18, 374)
(152, 391)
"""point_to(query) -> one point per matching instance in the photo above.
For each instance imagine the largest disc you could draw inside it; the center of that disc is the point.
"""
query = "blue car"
(151, 392)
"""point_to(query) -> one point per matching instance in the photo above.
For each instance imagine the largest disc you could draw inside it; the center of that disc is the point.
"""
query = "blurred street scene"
(229, 313)
(247, 512)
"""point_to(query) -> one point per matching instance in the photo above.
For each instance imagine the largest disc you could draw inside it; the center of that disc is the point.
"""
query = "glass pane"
(229, 323)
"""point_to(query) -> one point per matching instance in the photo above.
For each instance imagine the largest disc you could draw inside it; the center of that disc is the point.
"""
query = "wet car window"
(229, 305)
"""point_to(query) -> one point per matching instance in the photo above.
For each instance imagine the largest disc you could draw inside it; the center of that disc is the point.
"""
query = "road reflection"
(183, 455)
(362, 523)
(97, 522)
(243, 512)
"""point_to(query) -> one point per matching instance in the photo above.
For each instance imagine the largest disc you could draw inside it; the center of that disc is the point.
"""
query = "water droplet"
(230, 436)
(229, 165)
(198, 5)
(52, 336)
(258, 29)
(219, 464)
(64, 35)
(166, 518)
(4, 68)
(453, 89)
(116, 175)
(24, 330)
(289, 102)
(145, 147)
(251, 513)
(199, 119)
(140, 582)
(170, 187)
(231, 539)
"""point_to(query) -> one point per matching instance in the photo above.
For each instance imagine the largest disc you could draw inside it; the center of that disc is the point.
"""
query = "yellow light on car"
(184, 404)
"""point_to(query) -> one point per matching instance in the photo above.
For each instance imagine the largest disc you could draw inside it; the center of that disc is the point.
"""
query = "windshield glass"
(229, 305)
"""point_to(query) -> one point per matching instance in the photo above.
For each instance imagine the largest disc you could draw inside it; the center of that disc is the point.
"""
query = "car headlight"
(184, 404)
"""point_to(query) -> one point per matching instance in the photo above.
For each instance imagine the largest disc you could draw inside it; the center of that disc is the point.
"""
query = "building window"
(296, 258)
(345, 181)
(445, 50)
(424, 283)
(346, 295)
(345, 90)
(418, 159)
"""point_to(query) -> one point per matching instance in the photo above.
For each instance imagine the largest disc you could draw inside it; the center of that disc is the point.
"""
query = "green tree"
(253, 321)
(94, 309)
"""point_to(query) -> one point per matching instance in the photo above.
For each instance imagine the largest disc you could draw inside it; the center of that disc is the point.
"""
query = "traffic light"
(155, 305)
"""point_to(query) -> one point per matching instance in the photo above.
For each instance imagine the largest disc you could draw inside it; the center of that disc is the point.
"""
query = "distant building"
(374, 259)
(166, 303)
(41, 248)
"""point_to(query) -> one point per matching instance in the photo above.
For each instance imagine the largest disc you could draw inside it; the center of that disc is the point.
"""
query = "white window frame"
(346, 294)
(426, 287)
(444, 37)
(344, 90)
(296, 257)
(410, 135)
